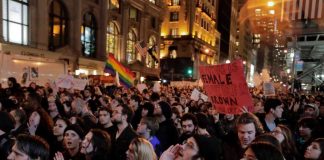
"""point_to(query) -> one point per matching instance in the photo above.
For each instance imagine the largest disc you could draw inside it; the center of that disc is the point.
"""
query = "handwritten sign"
(64, 81)
(226, 87)
(79, 84)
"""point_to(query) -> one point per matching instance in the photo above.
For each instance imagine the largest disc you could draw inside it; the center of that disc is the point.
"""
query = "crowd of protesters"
(102, 123)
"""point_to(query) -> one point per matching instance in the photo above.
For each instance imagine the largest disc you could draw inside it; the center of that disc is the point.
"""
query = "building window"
(112, 38)
(173, 54)
(15, 21)
(152, 1)
(58, 25)
(133, 14)
(88, 35)
(150, 62)
(153, 22)
(175, 2)
(130, 49)
(174, 31)
(174, 16)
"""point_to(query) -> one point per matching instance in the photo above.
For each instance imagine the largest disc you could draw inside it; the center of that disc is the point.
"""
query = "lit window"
(15, 21)
(152, 1)
(130, 49)
(113, 4)
(174, 16)
(88, 35)
(175, 2)
(58, 25)
(112, 40)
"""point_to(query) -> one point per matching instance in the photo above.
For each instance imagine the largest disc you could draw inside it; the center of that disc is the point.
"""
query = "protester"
(315, 151)
(29, 147)
(96, 145)
(140, 149)
(262, 150)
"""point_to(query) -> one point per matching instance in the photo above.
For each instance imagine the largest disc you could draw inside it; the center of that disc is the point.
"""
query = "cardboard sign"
(196, 95)
(268, 89)
(64, 81)
(79, 84)
(226, 87)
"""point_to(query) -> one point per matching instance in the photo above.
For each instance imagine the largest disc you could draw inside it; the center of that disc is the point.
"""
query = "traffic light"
(189, 71)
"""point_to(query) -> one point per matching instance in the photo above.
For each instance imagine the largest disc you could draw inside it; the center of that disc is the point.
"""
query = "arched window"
(150, 62)
(58, 25)
(15, 21)
(130, 49)
(112, 40)
(88, 35)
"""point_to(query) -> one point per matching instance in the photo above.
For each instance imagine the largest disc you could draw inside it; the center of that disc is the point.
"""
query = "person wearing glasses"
(287, 143)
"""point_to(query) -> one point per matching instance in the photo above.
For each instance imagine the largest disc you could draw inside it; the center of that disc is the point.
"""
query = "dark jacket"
(120, 145)
(167, 134)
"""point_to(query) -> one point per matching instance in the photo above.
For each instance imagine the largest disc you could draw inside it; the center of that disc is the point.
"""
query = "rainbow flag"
(126, 77)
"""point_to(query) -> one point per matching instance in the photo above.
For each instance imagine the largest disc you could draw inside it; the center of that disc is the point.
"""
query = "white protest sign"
(157, 87)
(196, 95)
(64, 81)
(141, 87)
(79, 84)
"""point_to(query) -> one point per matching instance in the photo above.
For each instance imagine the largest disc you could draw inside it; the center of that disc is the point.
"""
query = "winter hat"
(77, 129)
(313, 106)
(7, 122)
(166, 109)
(208, 146)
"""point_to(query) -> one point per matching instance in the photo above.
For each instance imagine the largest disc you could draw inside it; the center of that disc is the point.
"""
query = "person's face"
(87, 93)
(190, 149)
(277, 132)
(16, 154)
(59, 127)
(313, 151)
(144, 112)
(246, 134)
(249, 155)
(141, 128)
(277, 112)
(130, 152)
(305, 131)
(117, 116)
(87, 146)
(34, 119)
(73, 120)
(309, 111)
(188, 127)
(71, 139)
(157, 109)
(104, 117)
(10, 84)
(52, 107)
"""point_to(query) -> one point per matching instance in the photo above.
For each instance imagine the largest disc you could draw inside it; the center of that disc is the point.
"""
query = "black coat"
(120, 145)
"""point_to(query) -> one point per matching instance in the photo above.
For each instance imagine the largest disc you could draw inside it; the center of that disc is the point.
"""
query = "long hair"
(266, 151)
(101, 144)
(143, 149)
(288, 144)
(320, 141)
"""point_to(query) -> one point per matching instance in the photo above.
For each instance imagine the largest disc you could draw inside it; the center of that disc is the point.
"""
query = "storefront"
(30, 65)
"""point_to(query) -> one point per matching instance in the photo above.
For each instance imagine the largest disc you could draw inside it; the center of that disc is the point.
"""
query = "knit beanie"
(77, 129)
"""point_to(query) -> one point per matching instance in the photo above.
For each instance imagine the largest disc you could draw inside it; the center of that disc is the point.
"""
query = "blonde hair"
(143, 149)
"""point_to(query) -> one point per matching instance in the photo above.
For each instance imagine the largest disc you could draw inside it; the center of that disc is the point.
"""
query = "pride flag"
(126, 77)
